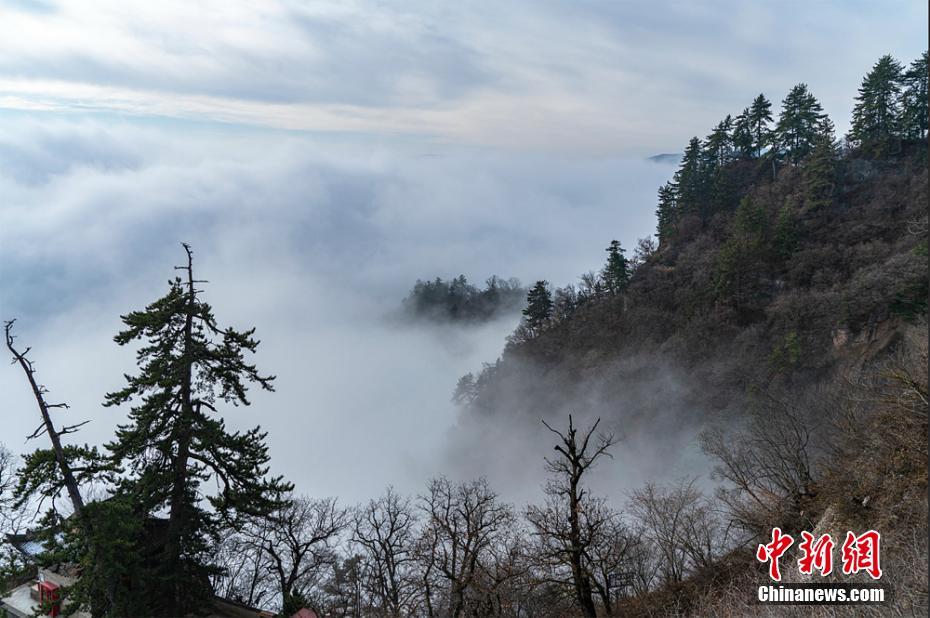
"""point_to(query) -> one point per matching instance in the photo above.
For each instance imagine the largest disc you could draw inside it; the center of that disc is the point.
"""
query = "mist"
(315, 242)
(321, 164)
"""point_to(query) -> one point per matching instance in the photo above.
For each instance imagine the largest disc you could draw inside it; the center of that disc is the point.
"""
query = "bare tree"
(244, 568)
(605, 557)
(645, 563)
(645, 249)
(63, 462)
(563, 521)
(682, 525)
(505, 581)
(609, 559)
(464, 529)
(298, 540)
(661, 514)
(768, 460)
(340, 593)
(12, 514)
(385, 531)
(426, 551)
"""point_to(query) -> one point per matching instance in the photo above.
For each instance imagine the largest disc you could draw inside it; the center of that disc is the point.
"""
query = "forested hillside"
(789, 291)
(457, 300)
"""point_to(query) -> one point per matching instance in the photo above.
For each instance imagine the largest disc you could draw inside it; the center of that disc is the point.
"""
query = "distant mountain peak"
(665, 158)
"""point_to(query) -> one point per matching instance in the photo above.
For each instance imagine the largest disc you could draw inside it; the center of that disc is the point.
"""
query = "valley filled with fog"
(315, 241)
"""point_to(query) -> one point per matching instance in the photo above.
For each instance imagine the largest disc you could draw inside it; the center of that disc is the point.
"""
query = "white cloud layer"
(322, 156)
(590, 77)
(313, 243)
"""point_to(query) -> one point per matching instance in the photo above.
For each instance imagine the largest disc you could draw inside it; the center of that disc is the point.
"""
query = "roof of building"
(26, 544)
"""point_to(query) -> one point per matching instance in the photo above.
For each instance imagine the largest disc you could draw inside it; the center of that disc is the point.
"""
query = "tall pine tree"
(667, 211)
(717, 154)
(718, 148)
(914, 102)
(759, 117)
(538, 309)
(616, 274)
(176, 440)
(742, 136)
(690, 180)
(819, 180)
(799, 124)
(875, 121)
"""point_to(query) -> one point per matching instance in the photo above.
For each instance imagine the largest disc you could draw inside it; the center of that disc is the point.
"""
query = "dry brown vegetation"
(810, 382)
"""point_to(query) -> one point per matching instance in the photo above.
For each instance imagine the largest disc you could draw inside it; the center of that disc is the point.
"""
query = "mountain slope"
(778, 310)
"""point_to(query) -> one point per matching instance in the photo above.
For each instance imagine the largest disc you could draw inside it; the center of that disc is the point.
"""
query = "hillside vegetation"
(457, 300)
(788, 295)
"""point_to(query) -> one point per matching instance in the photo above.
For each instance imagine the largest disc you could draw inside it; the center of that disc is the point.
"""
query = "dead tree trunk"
(47, 426)
(568, 469)
(64, 465)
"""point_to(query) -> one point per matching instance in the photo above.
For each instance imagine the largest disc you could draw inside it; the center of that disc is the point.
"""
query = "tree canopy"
(175, 438)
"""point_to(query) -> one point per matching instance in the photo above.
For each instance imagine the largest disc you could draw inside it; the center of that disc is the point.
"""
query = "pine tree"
(876, 115)
(717, 154)
(667, 211)
(758, 117)
(175, 439)
(820, 169)
(718, 148)
(799, 124)
(615, 275)
(742, 256)
(914, 111)
(742, 136)
(690, 179)
(785, 235)
(538, 307)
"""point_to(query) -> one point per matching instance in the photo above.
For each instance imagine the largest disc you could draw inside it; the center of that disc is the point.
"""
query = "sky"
(322, 156)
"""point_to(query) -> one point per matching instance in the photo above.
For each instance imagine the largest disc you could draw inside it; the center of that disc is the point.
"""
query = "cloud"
(323, 157)
(585, 77)
(314, 243)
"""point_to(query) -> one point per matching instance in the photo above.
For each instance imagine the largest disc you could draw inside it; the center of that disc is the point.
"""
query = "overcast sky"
(322, 156)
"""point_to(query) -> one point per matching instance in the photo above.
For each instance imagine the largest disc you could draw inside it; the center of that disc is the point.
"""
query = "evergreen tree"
(615, 274)
(742, 136)
(799, 124)
(538, 307)
(667, 211)
(718, 153)
(785, 235)
(914, 101)
(690, 180)
(465, 390)
(175, 440)
(758, 117)
(876, 114)
(742, 257)
(820, 169)
(718, 148)
(113, 581)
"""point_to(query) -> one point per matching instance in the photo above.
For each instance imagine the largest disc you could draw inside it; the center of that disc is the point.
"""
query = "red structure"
(49, 596)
